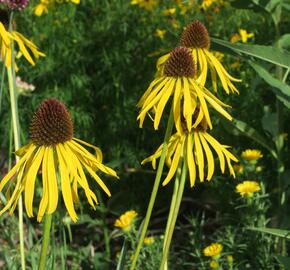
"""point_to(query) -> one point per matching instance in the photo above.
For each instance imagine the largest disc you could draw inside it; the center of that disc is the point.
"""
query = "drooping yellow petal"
(98, 151)
(187, 108)
(160, 107)
(209, 156)
(52, 182)
(190, 161)
(217, 147)
(45, 192)
(174, 164)
(18, 165)
(30, 181)
(199, 156)
(177, 105)
(65, 186)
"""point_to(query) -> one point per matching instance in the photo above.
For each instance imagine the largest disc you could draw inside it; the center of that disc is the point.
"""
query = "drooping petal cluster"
(54, 151)
(25, 46)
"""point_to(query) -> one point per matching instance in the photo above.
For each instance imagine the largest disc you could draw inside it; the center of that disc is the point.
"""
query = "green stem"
(16, 131)
(45, 242)
(154, 190)
(172, 205)
(174, 216)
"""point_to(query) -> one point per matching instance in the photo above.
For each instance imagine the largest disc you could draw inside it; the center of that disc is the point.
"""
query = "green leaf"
(284, 41)
(250, 132)
(267, 53)
(277, 232)
(122, 258)
(280, 89)
(285, 261)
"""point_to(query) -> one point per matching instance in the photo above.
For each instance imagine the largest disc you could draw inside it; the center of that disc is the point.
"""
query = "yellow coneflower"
(6, 41)
(213, 250)
(178, 81)
(194, 147)
(126, 220)
(251, 155)
(248, 188)
(196, 38)
(53, 149)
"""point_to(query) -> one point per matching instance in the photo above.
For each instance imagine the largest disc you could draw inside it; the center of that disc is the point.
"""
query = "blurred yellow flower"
(206, 4)
(126, 220)
(243, 36)
(251, 154)
(149, 240)
(213, 265)
(230, 259)
(169, 11)
(7, 39)
(146, 4)
(247, 188)
(42, 7)
(213, 250)
(160, 33)
(236, 65)
(238, 168)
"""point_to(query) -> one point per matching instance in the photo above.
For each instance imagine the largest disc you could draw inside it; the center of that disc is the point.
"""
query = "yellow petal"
(188, 108)
(65, 186)
(30, 181)
(190, 160)
(199, 156)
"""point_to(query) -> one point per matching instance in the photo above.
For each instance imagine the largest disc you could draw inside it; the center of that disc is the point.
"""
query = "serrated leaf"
(277, 232)
(254, 135)
(280, 89)
(266, 53)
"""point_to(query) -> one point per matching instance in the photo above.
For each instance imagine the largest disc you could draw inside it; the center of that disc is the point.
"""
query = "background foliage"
(100, 57)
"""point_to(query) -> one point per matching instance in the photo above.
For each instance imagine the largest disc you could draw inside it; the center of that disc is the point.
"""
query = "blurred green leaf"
(267, 53)
(285, 261)
(122, 258)
(277, 232)
(280, 89)
(284, 41)
(254, 135)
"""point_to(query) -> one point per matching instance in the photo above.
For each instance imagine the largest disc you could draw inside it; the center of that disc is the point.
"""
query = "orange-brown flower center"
(179, 63)
(51, 124)
(195, 36)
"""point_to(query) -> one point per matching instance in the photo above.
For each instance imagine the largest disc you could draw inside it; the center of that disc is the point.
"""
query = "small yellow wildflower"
(149, 240)
(251, 155)
(213, 265)
(169, 12)
(238, 168)
(243, 36)
(126, 220)
(42, 7)
(247, 188)
(213, 250)
(230, 259)
(146, 4)
(160, 33)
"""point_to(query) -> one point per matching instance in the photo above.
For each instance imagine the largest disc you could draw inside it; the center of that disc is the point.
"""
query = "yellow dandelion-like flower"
(53, 150)
(213, 250)
(206, 4)
(160, 33)
(149, 240)
(248, 188)
(169, 12)
(9, 39)
(196, 38)
(251, 155)
(243, 36)
(213, 264)
(178, 81)
(126, 220)
(196, 149)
